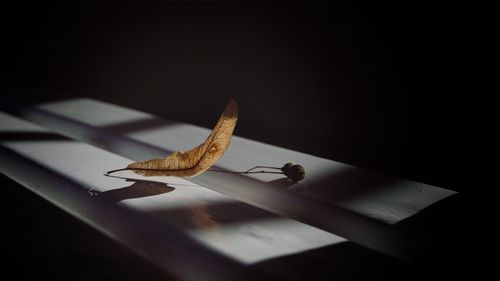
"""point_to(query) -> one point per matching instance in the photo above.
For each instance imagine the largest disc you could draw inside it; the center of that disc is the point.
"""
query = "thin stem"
(117, 170)
(265, 167)
(245, 172)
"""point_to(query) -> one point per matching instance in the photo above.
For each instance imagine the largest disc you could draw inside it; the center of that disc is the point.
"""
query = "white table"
(209, 217)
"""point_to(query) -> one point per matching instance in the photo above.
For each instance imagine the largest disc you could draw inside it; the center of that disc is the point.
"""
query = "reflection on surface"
(201, 218)
(139, 189)
(200, 214)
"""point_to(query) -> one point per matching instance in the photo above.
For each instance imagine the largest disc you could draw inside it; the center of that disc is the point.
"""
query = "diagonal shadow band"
(137, 125)
(221, 213)
(83, 132)
(348, 183)
(216, 213)
(30, 136)
(344, 261)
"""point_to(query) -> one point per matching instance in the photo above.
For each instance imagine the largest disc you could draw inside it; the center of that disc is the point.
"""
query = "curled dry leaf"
(197, 160)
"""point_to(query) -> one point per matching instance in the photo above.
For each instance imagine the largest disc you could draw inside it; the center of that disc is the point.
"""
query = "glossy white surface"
(229, 227)
(354, 203)
(374, 195)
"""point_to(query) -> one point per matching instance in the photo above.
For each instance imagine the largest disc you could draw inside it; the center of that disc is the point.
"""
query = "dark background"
(375, 84)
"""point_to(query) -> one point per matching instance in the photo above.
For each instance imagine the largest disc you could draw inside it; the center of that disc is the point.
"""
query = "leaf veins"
(199, 159)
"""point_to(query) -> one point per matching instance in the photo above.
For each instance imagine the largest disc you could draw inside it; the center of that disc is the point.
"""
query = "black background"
(380, 85)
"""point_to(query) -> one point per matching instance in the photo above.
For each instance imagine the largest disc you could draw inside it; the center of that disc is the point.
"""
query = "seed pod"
(295, 172)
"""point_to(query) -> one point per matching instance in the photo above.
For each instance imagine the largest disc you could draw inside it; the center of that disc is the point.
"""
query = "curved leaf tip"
(198, 159)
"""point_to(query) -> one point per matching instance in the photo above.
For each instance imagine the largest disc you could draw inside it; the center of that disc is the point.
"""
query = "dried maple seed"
(197, 160)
